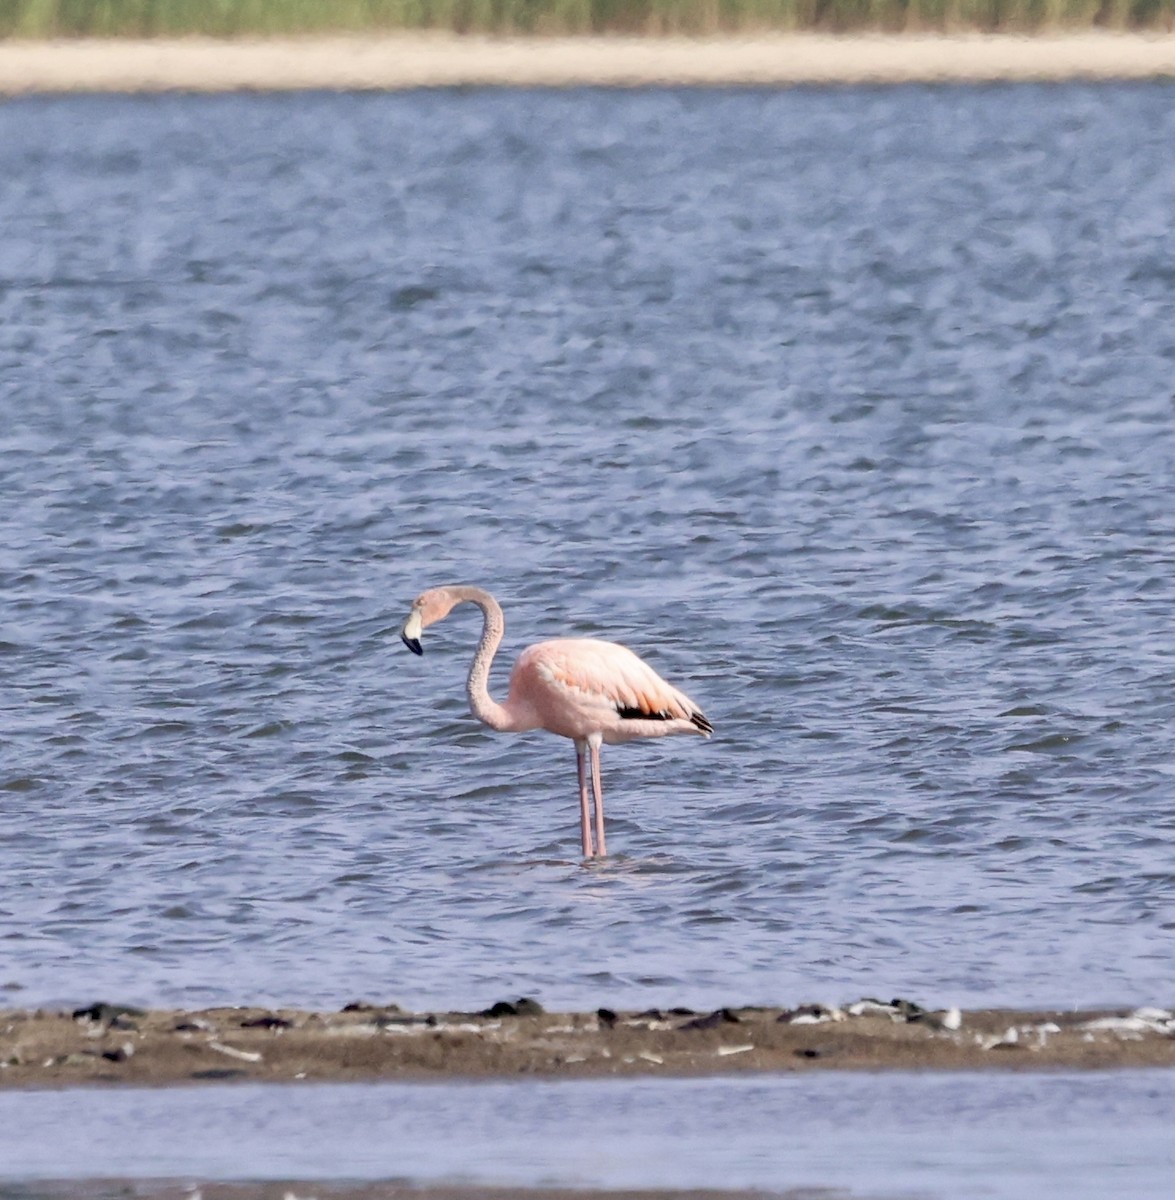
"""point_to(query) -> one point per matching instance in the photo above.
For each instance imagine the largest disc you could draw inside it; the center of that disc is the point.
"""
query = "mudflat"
(113, 1044)
(447, 60)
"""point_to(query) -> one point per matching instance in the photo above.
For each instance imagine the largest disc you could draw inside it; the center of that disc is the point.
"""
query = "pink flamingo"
(580, 688)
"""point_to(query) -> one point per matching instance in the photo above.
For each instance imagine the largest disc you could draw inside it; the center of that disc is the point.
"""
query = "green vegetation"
(240, 18)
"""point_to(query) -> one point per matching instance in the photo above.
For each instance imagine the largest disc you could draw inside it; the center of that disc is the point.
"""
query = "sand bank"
(107, 1044)
(445, 60)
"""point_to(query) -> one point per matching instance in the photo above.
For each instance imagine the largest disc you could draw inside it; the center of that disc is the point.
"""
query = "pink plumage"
(580, 688)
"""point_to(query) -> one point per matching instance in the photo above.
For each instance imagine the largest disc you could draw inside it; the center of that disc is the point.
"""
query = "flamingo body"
(586, 689)
(578, 687)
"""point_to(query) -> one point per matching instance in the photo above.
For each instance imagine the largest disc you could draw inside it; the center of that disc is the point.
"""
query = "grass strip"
(269, 18)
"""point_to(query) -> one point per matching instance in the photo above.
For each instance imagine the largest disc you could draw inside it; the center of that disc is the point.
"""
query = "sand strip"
(109, 1044)
(445, 60)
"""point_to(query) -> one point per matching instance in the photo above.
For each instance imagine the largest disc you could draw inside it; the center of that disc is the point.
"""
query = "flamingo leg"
(585, 820)
(598, 793)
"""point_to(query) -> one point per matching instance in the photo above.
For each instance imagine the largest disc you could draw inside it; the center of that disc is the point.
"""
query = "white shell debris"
(724, 1051)
(233, 1052)
(871, 1008)
(1130, 1028)
(944, 1019)
(1010, 1037)
(1153, 1014)
(1135, 1024)
(195, 1025)
(815, 1014)
(650, 1057)
(1042, 1031)
(405, 1029)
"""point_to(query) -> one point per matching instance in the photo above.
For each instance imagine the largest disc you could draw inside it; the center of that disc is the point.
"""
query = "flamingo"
(585, 689)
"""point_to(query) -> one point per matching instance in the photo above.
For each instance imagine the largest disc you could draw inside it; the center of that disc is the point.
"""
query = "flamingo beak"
(410, 634)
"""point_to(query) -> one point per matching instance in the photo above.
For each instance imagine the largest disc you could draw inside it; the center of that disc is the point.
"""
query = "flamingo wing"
(608, 685)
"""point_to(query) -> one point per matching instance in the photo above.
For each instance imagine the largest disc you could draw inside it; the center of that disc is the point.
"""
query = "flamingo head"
(410, 634)
(428, 608)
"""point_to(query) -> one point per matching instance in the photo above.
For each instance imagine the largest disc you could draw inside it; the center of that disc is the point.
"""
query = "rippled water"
(852, 410)
(894, 1135)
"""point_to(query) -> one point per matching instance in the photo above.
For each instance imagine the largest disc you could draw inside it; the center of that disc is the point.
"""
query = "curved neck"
(481, 703)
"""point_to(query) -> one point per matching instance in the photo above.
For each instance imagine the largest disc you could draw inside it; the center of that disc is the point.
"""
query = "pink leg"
(598, 790)
(585, 821)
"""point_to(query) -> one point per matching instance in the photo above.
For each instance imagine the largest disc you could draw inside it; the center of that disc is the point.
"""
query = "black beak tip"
(413, 644)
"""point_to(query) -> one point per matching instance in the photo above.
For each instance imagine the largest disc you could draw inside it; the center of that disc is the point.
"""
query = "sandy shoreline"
(444, 60)
(109, 1044)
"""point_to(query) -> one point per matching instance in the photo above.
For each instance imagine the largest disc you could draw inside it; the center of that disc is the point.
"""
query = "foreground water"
(1068, 1137)
(851, 410)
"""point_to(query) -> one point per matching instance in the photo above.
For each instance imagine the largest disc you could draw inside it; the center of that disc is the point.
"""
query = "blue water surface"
(850, 409)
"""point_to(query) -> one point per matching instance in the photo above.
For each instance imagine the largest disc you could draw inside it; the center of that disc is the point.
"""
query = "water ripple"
(863, 436)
